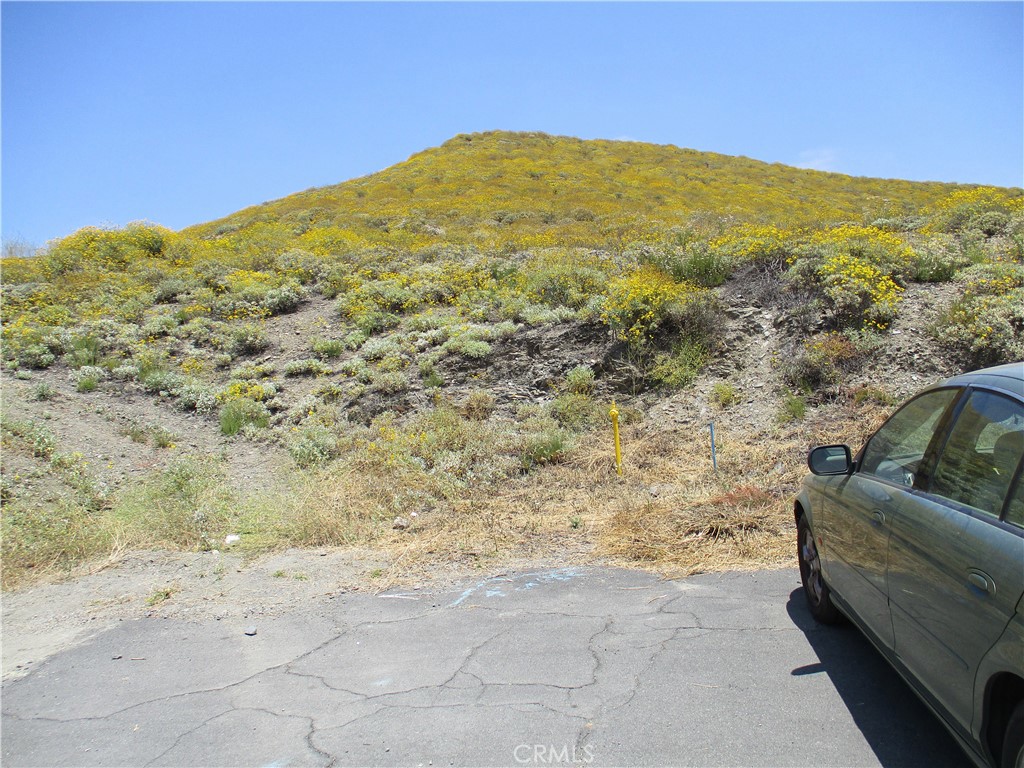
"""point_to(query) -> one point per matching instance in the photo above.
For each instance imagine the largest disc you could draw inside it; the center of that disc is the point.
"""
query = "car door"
(956, 564)
(860, 508)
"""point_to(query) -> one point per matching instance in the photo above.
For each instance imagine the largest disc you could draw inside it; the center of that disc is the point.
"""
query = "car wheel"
(1013, 741)
(819, 598)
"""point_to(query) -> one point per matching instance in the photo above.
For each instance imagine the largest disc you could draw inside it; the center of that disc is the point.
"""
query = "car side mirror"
(830, 460)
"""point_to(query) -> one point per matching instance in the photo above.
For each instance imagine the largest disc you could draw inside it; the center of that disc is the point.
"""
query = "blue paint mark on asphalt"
(534, 580)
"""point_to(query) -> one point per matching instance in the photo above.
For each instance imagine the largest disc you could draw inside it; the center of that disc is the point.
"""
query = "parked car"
(919, 541)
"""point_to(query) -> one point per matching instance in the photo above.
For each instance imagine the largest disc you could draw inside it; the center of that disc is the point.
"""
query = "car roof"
(1008, 377)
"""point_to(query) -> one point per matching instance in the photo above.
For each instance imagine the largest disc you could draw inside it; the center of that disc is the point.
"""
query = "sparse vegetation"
(794, 408)
(723, 394)
(459, 349)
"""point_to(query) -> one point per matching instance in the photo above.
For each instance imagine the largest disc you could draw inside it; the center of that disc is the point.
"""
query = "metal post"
(614, 413)
(714, 458)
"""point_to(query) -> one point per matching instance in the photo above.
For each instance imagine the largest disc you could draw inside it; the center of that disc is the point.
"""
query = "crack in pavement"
(597, 660)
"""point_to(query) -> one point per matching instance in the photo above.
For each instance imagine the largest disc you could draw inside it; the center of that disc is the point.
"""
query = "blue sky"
(180, 113)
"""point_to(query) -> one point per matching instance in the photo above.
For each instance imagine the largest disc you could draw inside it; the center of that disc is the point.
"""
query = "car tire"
(1013, 742)
(819, 597)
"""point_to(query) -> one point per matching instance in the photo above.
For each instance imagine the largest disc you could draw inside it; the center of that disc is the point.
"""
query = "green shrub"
(355, 366)
(479, 405)
(85, 350)
(328, 349)
(239, 413)
(283, 299)
(312, 445)
(161, 325)
(43, 391)
(375, 321)
(580, 380)
(390, 383)
(565, 277)
(249, 339)
(545, 447)
(985, 323)
(308, 367)
(723, 394)
(694, 262)
(703, 266)
(159, 380)
(169, 290)
(195, 395)
(938, 259)
(679, 367)
(379, 348)
(467, 346)
(794, 408)
(125, 372)
(431, 378)
(88, 377)
(36, 356)
(576, 412)
(329, 392)
(253, 371)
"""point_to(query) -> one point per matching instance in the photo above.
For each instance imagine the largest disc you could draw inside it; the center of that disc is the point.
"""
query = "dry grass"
(671, 511)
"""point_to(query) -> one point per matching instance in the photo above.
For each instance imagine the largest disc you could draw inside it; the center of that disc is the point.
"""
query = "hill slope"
(490, 187)
(418, 366)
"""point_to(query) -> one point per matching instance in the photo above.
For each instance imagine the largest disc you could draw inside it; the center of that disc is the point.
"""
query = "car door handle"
(878, 518)
(981, 582)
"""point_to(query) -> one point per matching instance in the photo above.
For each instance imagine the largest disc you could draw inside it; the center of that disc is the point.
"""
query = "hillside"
(531, 189)
(415, 369)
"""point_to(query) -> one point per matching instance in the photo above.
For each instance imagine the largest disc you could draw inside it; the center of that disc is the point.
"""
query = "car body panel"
(935, 579)
(856, 557)
(954, 582)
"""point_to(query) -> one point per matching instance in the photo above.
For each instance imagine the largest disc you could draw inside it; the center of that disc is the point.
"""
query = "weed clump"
(242, 412)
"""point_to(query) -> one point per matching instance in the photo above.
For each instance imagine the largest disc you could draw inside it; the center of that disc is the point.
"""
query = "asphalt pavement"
(573, 666)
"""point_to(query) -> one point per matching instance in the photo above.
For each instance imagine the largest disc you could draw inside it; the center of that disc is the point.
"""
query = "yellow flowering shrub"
(763, 244)
(641, 303)
(977, 208)
(887, 251)
(111, 249)
(859, 291)
(259, 391)
(855, 273)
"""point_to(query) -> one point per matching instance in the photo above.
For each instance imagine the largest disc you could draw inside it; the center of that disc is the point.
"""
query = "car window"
(895, 451)
(981, 456)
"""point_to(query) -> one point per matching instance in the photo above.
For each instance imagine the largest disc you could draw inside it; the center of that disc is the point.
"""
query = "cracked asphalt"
(583, 666)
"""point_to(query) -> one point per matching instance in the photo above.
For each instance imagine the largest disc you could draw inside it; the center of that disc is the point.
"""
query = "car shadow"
(898, 727)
